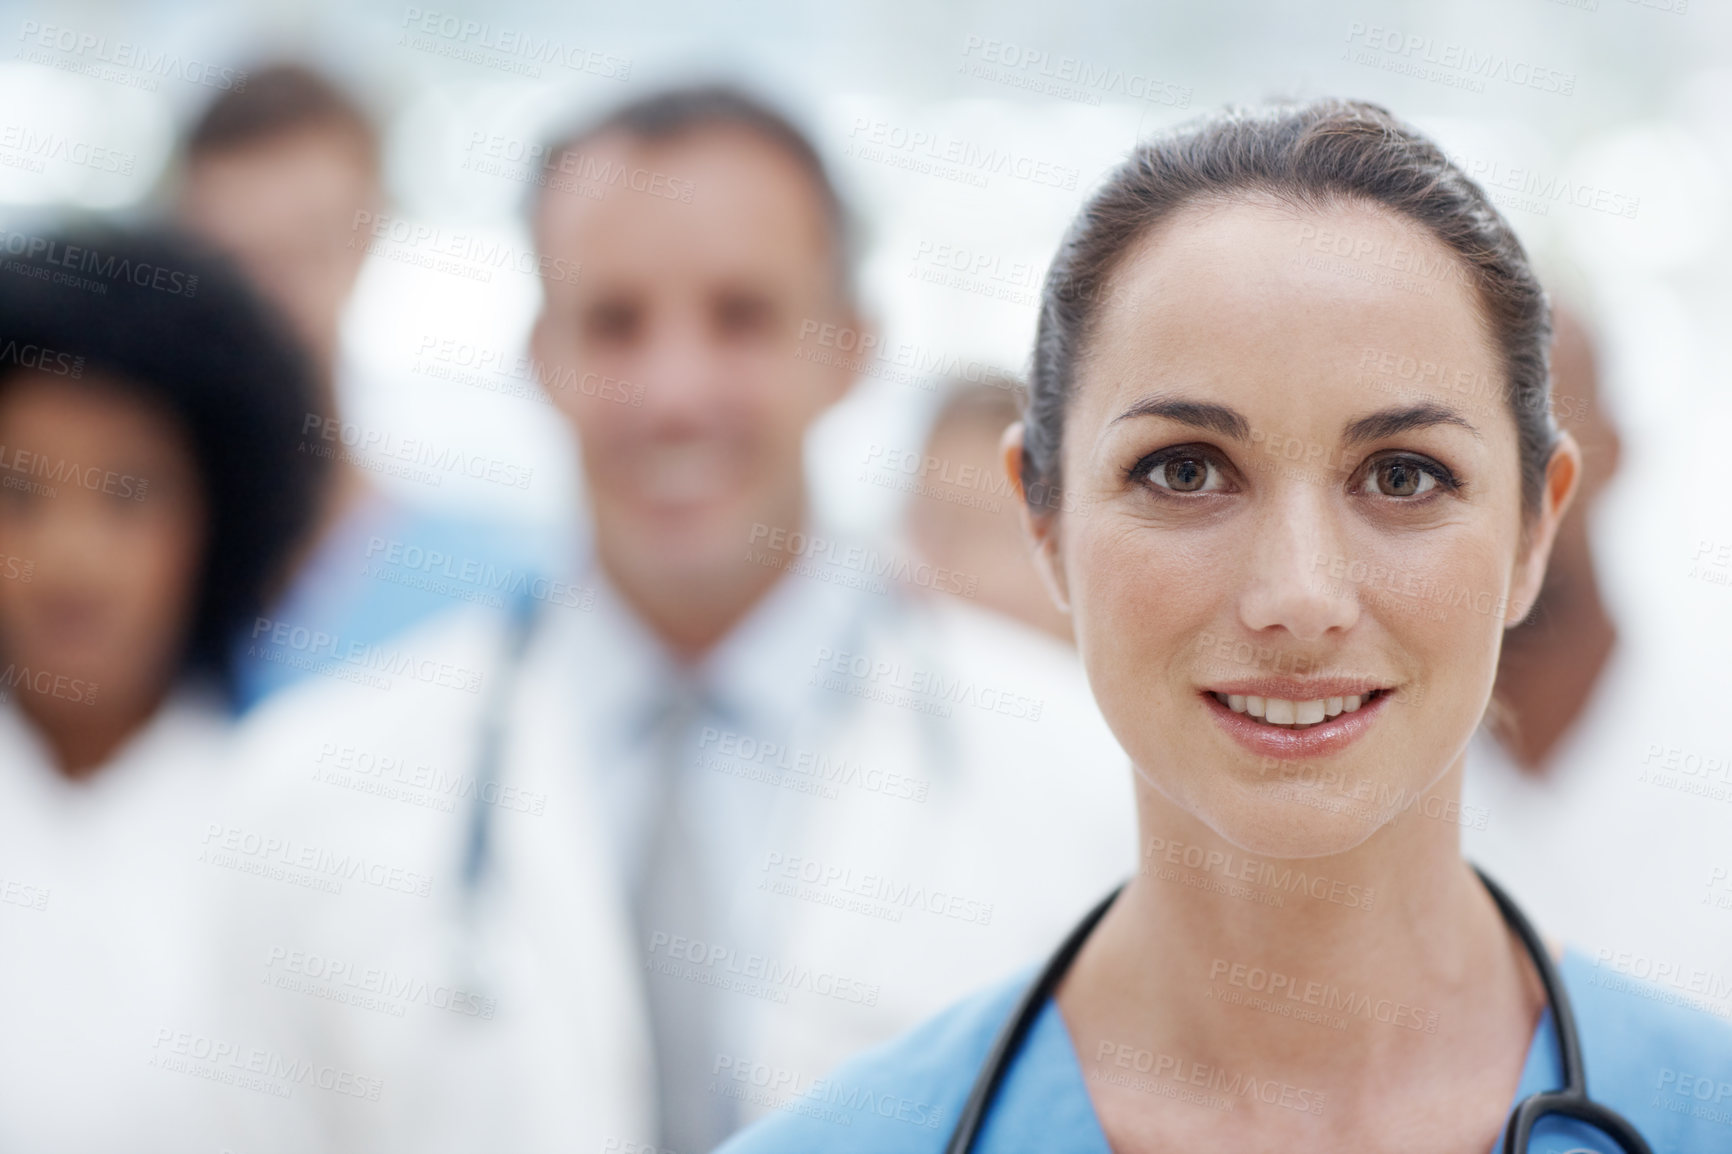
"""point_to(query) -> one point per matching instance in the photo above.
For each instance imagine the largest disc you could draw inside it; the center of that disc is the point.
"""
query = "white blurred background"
(965, 137)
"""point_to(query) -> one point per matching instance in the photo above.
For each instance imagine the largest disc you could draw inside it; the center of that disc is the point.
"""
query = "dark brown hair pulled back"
(1313, 156)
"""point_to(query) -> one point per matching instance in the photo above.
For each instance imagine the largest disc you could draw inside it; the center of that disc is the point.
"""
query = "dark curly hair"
(1309, 155)
(176, 326)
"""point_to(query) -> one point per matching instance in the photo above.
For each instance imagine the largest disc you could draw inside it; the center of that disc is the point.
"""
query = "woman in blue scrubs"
(1291, 381)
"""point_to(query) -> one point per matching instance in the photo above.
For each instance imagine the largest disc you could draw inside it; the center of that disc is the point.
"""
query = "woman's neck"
(1353, 977)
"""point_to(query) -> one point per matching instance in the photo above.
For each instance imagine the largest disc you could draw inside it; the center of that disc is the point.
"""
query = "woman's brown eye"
(1185, 474)
(1399, 478)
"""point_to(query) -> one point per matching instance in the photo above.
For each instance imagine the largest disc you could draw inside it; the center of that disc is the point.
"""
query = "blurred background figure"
(278, 173)
(1552, 662)
(965, 516)
(1568, 777)
(150, 494)
(759, 701)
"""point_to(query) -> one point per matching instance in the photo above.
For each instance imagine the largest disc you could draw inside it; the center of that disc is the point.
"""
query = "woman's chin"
(1292, 826)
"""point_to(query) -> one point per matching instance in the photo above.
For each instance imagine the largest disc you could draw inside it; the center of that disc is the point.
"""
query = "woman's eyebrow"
(1389, 422)
(1198, 414)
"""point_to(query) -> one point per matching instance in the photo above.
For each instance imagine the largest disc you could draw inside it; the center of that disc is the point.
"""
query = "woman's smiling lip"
(1319, 740)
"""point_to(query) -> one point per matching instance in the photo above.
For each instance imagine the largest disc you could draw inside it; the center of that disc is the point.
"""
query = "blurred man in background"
(276, 174)
(965, 516)
(868, 792)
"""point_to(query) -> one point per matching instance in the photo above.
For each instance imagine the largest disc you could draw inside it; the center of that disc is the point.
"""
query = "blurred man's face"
(682, 352)
(285, 209)
(102, 534)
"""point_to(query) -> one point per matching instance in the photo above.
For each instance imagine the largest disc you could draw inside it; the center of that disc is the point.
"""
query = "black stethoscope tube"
(1572, 1101)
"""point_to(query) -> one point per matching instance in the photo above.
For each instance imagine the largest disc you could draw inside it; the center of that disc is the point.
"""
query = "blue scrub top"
(1661, 1064)
(384, 568)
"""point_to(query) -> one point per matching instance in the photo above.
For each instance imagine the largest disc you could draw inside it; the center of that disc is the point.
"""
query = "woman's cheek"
(1138, 599)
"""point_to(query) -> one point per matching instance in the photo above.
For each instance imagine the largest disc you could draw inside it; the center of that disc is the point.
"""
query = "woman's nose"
(1287, 585)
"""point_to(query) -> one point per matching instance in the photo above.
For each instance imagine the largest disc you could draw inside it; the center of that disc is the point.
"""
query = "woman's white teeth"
(1279, 711)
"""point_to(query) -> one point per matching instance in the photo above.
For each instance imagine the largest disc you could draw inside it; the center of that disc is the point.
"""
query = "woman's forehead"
(1258, 300)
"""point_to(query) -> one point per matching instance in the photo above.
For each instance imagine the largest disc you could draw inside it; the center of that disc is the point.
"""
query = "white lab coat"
(102, 935)
(1622, 846)
(921, 843)
(515, 1027)
(958, 850)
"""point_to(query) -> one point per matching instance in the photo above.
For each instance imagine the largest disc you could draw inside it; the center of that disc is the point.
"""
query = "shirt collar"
(755, 678)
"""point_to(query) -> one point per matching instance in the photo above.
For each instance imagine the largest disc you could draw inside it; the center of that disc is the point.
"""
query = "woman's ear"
(1563, 477)
(1041, 528)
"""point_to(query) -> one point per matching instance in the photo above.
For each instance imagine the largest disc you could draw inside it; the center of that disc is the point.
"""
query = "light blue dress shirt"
(1665, 1067)
(383, 568)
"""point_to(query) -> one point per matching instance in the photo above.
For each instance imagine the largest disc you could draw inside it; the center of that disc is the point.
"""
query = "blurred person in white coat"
(149, 493)
(1601, 791)
(405, 988)
(284, 175)
(795, 752)
(728, 777)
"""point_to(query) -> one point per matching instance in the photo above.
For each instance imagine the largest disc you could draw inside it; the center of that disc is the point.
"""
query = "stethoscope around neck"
(1571, 1101)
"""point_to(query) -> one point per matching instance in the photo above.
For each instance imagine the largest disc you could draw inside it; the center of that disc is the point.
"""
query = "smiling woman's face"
(1263, 522)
